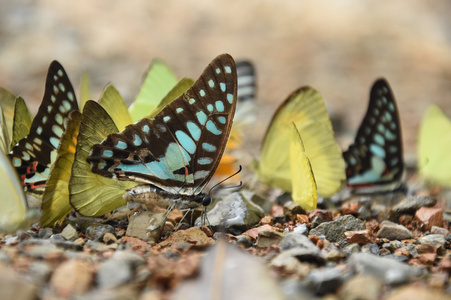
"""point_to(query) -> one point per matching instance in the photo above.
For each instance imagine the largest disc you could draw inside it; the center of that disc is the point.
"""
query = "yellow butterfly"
(434, 145)
(17, 119)
(55, 200)
(91, 194)
(157, 84)
(306, 109)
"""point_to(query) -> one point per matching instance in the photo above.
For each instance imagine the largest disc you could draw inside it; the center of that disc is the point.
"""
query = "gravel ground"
(358, 248)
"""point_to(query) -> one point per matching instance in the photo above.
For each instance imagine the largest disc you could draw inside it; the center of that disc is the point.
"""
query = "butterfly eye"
(206, 200)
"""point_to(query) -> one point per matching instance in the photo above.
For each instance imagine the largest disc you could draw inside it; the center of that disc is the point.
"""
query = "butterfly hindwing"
(33, 155)
(375, 158)
(179, 149)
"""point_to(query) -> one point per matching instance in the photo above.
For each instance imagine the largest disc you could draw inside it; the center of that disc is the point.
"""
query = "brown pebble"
(428, 258)
(430, 216)
(445, 264)
(72, 277)
(350, 208)
(109, 238)
(360, 237)
(323, 214)
(266, 220)
(303, 219)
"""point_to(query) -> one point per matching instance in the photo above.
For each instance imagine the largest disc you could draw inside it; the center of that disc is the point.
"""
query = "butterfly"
(158, 82)
(92, 194)
(245, 115)
(306, 109)
(17, 120)
(434, 144)
(176, 153)
(374, 161)
(34, 154)
(13, 207)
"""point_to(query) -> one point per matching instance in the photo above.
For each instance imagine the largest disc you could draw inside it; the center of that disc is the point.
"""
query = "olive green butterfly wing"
(92, 194)
(55, 200)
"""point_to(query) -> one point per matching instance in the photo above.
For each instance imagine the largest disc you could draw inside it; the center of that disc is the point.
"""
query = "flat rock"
(387, 270)
(393, 231)
(234, 214)
(324, 281)
(14, 287)
(227, 272)
(411, 204)
(334, 230)
(72, 277)
(430, 216)
(361, 287)
(417, 293)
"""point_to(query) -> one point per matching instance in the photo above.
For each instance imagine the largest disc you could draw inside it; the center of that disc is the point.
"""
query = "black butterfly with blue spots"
(374, 162)
(34, 154)
(176, 153)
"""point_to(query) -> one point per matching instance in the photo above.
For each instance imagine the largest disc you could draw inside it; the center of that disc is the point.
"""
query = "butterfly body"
(374, 161)
(176, 152)
(34, 154)
(148, 194)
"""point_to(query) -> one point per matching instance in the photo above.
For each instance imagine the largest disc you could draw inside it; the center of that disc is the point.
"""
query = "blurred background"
(337, 47)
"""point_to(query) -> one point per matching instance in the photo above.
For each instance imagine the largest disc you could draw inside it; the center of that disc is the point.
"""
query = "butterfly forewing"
(375, 158)
(179, 149)
(33, 155)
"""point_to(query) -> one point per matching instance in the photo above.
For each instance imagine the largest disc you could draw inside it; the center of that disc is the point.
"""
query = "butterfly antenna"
(232, 186)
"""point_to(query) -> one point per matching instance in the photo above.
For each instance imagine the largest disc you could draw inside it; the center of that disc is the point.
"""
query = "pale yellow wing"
(92, 194)
(305, 107)
(115, 106)
(13, 204)
(158, 82)
(182, 86)
(303, 182)
(434, 147)
(55, 200)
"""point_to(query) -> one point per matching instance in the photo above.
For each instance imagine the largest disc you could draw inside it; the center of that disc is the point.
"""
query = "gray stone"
(301, 229)
(436, 240)
(410, 205)
(334, 230)
(242, 276)
(267, 237)
(303, 254)
(113, 273)
(295, 240)
(40, 271)
(439, 230)
(371, 248)
(393, 231)
(351, 248)
(45, 233)
(234, 214)
(69, 233)
(324, 281)
(133, 259)
(96, 232)
(386, 269)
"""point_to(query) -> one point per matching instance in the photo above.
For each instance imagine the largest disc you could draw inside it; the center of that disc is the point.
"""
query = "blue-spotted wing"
(34, 154)
(374, 162)
(178, 150)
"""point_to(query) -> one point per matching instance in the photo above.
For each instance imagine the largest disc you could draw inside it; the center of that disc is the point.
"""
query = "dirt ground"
(339, 48)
